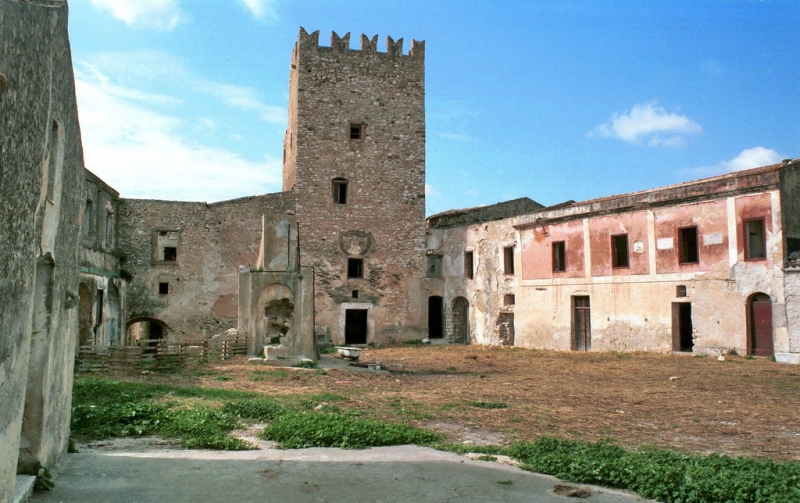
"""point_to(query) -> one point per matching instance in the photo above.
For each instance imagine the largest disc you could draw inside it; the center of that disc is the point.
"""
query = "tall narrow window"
(355, 268)
(109, 230)
(98, 319)
(339, 191)
(559, 256)
(754, 239)
(619, 250)
(468, 265)
(88, 217)
(508, 260)
(687, 241)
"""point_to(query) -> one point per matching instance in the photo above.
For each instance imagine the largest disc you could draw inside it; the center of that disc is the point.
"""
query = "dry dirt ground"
(737, 407)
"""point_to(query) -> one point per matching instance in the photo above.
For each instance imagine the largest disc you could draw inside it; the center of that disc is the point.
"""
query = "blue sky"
(553, 100)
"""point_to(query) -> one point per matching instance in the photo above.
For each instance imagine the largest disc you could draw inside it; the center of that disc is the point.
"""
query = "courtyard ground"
(739, 406)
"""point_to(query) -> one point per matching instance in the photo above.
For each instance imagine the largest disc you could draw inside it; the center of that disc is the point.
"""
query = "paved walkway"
(149, 470)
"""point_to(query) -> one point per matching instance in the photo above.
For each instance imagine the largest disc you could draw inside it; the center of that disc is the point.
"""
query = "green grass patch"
(299, 430)
(488, 405)
(305, 364)
(665, 476)
(255, 409)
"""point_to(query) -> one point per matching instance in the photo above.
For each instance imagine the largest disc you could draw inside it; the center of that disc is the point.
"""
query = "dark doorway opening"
(682, 337)
(581, 324)
(355, 326)
(760, 326)
(435, 317)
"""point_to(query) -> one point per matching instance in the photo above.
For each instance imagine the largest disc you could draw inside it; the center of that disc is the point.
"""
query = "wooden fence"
(157, 354)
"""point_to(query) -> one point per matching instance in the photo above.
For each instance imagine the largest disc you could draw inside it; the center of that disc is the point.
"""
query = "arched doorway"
(759, 325)
(461, 320)
(142, 329)
(435, 317)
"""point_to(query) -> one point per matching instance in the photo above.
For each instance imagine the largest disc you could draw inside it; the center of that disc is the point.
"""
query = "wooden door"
(581, 324)
(761, 326)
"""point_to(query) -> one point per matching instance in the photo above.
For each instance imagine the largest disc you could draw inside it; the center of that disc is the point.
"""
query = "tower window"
(170, 254)
(355, 268)
(163, 288)
(339, 191)
(356, 131)
(687, 240)
(619, 250)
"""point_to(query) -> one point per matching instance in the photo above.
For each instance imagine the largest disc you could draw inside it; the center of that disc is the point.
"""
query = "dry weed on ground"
(737, 407)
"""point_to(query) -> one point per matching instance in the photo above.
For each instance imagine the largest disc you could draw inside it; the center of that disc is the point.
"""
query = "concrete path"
(123, 471)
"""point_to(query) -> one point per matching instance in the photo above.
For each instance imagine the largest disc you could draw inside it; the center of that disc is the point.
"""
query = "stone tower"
(354, 155)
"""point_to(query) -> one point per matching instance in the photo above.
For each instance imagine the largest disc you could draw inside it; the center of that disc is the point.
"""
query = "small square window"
(355, 294)
(434, 266)
(508, 260)
(163, 288)
(619, 250)
(355, 268)
(755, 247)
(680, 291)
(356, 131)
(509, 299)
(687, 241)
(559, 256)
(469, 267)
(170, 254)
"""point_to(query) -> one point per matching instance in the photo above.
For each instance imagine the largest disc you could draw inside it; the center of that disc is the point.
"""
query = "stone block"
(790, 358)
(273, 352)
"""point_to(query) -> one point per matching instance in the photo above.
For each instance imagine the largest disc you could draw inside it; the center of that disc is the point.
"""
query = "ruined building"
(354, 182)
(344, 253)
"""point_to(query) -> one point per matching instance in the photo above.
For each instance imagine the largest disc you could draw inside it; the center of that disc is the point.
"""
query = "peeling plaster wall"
(486, 291)
(383, 219)
(792, 292)
(102, 323)
(213, 240)
(40, 190)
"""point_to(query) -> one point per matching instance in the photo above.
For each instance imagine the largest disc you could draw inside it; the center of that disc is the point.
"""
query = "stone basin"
(349, 353)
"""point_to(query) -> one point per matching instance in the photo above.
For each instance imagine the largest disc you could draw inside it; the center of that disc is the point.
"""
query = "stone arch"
(460, 312)
(274, 314)
(759, 325)
(144, 328)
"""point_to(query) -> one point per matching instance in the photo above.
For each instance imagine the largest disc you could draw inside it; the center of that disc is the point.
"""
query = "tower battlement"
(339, 45)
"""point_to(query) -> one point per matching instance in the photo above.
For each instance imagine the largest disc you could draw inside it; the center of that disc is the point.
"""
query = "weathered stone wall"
(211, 241)
(101, 292)
(790, 189)
(40, 190)
(382, 221)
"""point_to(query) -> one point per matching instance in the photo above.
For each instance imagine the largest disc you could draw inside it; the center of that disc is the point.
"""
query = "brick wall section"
(215, 239)
(330, 89)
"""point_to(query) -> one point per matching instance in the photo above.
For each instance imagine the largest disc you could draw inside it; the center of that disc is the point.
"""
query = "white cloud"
(454, 136)
(142, 153)
(650, 124)
(748, 158)
(430, 191)
(243, 98)
(260, 8)
(157, 14)
(162, 67)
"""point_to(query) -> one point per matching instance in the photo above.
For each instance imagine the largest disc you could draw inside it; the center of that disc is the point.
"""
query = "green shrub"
(305, 364)
(299, 430)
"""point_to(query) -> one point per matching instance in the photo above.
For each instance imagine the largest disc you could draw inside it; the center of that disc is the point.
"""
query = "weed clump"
(298, 430)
